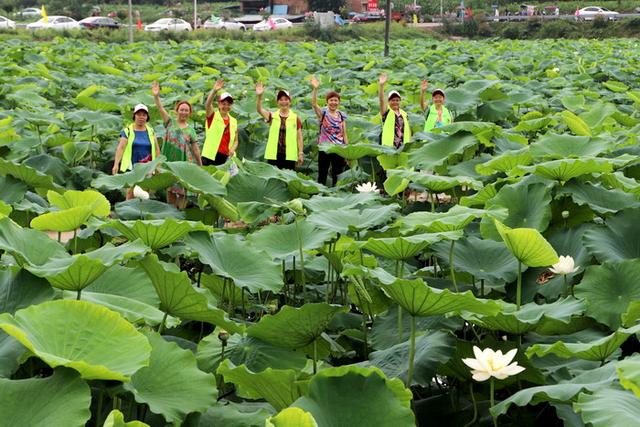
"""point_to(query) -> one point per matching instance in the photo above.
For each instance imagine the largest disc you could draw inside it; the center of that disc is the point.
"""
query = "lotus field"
(490, 277)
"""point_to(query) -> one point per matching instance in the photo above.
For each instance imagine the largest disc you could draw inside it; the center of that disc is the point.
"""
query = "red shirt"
(226, 135)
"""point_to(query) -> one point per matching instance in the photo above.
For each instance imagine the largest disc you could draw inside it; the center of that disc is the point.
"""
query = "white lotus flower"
(139, 193)
(368, 187)
(489, 363)
(564, 266)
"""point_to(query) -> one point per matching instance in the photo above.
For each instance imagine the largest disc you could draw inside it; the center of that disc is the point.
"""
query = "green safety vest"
(432, 116)
(125, 162)
(389, 128)
(291, 137)
(213, 135)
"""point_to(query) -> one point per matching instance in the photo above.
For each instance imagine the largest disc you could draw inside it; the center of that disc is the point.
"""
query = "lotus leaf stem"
(519, 286)
(75, 242)
(475, 407)
(315, 356)
(161, 326)
(481, 288)
(451, 269)
(412, 351)
(400, 325)
(302, 275)
(491, 401)
(78, 294)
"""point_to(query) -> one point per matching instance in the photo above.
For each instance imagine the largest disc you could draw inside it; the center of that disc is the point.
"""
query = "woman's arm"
(315, 84)
(423, 89)
(344, 131)
(155, 90)
(300, 148)
(208, 104)
(122, 143)
(259, 92)
(195, 150)
(383, 103)
(234, 145)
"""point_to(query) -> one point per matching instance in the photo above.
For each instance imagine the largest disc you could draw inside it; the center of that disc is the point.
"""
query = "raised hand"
(315, 83)
(424, 85)
(219, 85)
(259, 88)
(382, 79)
(155, 89)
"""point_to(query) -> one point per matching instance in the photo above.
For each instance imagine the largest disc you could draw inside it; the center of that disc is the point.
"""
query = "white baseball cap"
(440, 91)
(394, 93)
(225, 95)
(283, 92)
(140, 107)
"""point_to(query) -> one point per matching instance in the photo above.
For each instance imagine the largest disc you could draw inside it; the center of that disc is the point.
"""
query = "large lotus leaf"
(297, 327)
(291, 417)
(73, 198)
(481, 197)
(30, 176)
(628, 371)
(617, 239)
(172, 385)
(89, 338)
(195, 179)
(436, 153)
(180, 299)
(237, 260)
(457, 218)
(128, 282)
(565, 391)
(276, 386)
(26, 245)
(632, 315)
(128, 179)
(598, 350)
(566, 169)
(12, 190)
(554, 146)
(432, 349)
(575, 123)
(602, 200)
(251, 188)
(356, 151)
(5, 209)
(341, 201)
(61, 400)
(146, 209)
(365, 395)
(116, 419)
(11, 353)
(573, 102)
(527, 245)
(609, 288)
(345, 220)
(399, 248)
(20, 289)
(435, 183)
(505, 162)
(608, 407)
(65, 220)
(158, 181)
(255, 354)
(156, 233)
(246, 414)
(528, 206)
(284, 240)
(620, 181)
(74, 273)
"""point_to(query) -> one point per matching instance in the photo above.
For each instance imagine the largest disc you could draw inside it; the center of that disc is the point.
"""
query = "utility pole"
(387, 26)
(130, 22)
(195, 14)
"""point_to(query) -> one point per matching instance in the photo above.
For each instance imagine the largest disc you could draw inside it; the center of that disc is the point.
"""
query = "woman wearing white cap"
(395, 123)
(180, 142)
(221, 140)
(284, 145)
(437, 114)
(137, 143)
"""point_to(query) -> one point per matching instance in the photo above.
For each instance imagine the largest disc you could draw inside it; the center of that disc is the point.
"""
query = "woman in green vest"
(395, 123)
(180, 142)
(137, 144)
(284, 145)
(221, 140)
(437, 114)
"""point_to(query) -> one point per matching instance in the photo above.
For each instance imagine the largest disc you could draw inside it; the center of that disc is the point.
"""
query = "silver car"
(224, 24)
(6, 23)
(591, 12)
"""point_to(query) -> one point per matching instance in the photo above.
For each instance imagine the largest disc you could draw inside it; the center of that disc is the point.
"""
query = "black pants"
(337, 166)
(281, 162)
(219, 160)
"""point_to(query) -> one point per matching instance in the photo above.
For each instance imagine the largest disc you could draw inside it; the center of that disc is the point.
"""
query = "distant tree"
(75, 8)
(326, 5)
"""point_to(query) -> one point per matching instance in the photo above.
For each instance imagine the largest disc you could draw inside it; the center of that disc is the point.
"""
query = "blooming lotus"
(489, 363)
(368, 187)
(564, 266)
(139, 193)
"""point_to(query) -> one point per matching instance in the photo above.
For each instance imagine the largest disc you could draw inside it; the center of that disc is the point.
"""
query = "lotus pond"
(326, 306)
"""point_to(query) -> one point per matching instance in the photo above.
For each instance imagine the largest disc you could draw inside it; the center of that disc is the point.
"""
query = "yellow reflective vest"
(389, 128)
(125, 162)
(432, 116)
(213, 135)
(291, 137)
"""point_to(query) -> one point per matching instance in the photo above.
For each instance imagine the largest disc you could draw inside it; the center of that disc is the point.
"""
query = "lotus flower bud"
(223, 336)
(139, 193)
(565, 214)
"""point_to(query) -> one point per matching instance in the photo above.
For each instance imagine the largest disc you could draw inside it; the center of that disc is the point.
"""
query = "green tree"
(326, 5)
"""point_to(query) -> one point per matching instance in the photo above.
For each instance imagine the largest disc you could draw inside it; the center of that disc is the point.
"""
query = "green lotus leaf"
(616, 240)
(156, 233)
(250, 188)
(195, 179)
(527, 245)
(619, 181)
(357, 151)
(5, 209)
(11, 354)
(295, 328)
(116, 419)
(566, 169)
(536, 124)
(615, 86)
(282, 240)
(237, 260)
(28, 246)
(598, 198)
(395, 184)
(554, 146)
(20, 289)
(598, 350)
(366, 396)
(345, 220)
(632, 314)
(255, 354)
(393, 161)
(435, 183)
(158, 181)
(341, 201)
(432, 349)
(480, 198)
(133, 283)
(29, 175)
(74, 273)
(172, 385)
(61, 400)
(72, 199)
(607, 407)
(401, 248)
(506, 162)
(628, 371)
(65, 220)
(146, 209)
(436, 153)
(89, 338)
(565, 391)
(139, 173)
(291, 417)
(608, 289)
(12, 190)
(246, 414)
(276, 386)
(179, 298)
(575, 123)
(457, 218)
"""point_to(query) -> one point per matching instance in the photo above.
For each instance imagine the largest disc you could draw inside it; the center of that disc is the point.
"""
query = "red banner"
(372, 5)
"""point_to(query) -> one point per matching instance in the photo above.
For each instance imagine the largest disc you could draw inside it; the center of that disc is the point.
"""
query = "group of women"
(284, 148)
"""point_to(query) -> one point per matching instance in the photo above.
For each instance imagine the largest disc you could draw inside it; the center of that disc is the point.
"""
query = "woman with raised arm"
(221, 141)
(437, 114)
(284, 145)
(180, 142)
(395, 123)
(333, 130)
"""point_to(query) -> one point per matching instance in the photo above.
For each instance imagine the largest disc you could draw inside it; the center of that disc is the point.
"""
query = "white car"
(169, 24)
(224, 24)
(591, 12)
(56, 23)
(272, 24)
(6, 23)
(30, 11)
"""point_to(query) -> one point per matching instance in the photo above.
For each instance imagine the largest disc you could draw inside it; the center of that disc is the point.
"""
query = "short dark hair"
(332, 94)
(179, 103)
(133, 116)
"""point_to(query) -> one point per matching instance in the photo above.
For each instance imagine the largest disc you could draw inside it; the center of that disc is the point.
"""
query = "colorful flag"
(45, 18)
